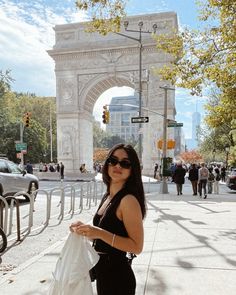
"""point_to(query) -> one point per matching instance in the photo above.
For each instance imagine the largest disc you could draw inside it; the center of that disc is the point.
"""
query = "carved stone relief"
(67, 89)
(67, 141)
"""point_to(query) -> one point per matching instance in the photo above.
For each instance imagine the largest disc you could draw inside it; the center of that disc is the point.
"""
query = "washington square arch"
(87, 64)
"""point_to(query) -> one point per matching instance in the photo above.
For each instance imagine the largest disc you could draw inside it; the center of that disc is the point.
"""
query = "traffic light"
(27, 119)
(105, 115)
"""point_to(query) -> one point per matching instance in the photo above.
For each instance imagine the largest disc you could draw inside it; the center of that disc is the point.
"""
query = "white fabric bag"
(71, 275)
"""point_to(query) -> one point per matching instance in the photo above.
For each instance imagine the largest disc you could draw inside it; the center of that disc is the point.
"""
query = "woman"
(178, 177)
(193, 177)
(217, 179)
(118, 224)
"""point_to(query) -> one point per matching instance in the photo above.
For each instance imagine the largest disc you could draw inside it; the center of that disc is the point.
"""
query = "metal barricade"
(86, 193)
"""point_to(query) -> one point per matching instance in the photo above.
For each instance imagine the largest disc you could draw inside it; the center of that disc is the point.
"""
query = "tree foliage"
(105, 15)
(191, 157)
(207, 55)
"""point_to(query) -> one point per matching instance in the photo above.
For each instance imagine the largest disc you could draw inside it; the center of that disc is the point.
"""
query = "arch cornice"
(58, 55)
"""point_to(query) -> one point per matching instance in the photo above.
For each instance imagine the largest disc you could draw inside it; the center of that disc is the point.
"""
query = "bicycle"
(3, 240)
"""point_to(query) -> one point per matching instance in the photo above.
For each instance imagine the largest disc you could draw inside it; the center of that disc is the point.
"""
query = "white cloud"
(26, 32)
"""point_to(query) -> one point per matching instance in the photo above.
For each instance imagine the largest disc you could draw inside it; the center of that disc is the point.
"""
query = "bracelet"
(113, 240)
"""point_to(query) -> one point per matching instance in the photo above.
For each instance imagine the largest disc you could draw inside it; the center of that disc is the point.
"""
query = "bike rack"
(87, 193)
(16, 201)
(3, 224)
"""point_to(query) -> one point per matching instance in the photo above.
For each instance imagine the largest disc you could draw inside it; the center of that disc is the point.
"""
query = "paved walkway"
(190, 248)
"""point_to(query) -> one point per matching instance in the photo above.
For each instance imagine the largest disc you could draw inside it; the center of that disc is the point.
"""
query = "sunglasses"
(126, 164)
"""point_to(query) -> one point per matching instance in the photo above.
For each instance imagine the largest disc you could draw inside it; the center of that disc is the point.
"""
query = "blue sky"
(26, 32)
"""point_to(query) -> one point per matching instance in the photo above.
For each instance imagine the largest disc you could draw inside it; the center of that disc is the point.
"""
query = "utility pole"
(139, 40)
(163, 185)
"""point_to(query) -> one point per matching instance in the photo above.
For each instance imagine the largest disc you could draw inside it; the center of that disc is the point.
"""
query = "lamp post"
(227, 149)
(139, 40)
(163, 186)
(214, 155)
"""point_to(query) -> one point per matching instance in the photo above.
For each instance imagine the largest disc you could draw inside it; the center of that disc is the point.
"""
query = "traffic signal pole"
(22, 126)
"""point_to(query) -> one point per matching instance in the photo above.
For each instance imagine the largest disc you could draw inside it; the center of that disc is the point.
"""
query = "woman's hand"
(87, 230)
(74, 225)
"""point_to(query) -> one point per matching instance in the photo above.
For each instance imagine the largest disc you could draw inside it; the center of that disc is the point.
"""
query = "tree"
(105, 15)
(206, 56)
(100, 154)
(5, 82)
(191, 157)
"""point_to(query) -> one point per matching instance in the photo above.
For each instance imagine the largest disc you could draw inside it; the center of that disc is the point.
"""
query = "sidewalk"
(190, 248)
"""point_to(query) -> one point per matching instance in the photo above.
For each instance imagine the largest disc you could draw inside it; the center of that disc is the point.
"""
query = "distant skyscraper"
(196, 121)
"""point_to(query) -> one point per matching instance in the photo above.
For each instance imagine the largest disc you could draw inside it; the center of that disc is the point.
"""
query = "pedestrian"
(178, 177)
(217, 179)
(203, 175)
(193, 177)
(223, 173)
(62, 167)
(172, 170)
(210, 181)
(155, 171)
(58, 167)
(83, 169)
(29, 167)
(118, 223)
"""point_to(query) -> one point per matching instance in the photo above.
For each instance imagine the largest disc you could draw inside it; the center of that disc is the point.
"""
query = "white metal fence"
(17, 221)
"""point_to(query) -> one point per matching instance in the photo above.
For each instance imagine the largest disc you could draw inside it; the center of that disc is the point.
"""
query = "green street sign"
(175, 124)
(21, 146)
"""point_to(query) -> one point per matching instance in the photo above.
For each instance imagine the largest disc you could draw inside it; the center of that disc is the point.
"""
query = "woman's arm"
(130, 213)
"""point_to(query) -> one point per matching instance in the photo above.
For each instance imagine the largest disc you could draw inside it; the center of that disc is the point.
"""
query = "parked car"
(231, 181)
(13, 179)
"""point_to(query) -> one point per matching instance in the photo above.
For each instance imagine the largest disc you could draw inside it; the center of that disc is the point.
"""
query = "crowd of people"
(204, 178)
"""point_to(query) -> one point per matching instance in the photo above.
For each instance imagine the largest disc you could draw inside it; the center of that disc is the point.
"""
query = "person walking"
(118, 223)
(155, 171)
(29, 167)
(216, 182)
(62, 168)
(178, 177)
(203, 175)
(193, 177)
(223, 173)
(210, 181)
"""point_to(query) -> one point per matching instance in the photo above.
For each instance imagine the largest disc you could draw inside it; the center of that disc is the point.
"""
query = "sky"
(26, 33)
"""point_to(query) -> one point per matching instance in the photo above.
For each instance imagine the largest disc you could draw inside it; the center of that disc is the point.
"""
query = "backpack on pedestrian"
(211, 177)
(204, 172)
(217, 177)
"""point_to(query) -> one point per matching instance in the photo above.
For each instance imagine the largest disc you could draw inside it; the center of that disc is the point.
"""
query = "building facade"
(120, 118)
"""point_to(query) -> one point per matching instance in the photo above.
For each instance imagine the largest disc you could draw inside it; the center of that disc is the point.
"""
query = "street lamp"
(214, 154)
(163, 186)
(139, 40)
(227, 149)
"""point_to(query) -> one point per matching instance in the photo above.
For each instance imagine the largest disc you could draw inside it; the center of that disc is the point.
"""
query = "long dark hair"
(134, 184)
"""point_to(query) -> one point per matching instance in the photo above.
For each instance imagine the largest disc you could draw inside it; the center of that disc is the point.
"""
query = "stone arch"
(88, 64)
(95, 87)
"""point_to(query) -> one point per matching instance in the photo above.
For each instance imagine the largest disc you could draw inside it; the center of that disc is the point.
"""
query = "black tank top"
(111, 223)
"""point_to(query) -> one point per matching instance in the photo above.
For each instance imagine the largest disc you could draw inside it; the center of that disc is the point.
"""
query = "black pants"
(179, 187)
(194, 186)
(114, 276)
(202, 186)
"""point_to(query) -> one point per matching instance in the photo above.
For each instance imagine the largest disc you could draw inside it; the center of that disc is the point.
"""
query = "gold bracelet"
(113, 240)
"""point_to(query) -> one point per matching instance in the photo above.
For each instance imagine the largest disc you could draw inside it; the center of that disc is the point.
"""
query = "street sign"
(139, 119)
(21, 146)
(175, 124)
